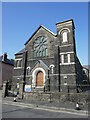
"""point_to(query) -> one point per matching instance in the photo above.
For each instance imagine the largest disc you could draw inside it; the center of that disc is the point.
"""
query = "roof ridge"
(48, 30)
(37, 30)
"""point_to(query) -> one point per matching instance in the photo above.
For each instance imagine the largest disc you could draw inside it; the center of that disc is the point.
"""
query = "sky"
(20, 20)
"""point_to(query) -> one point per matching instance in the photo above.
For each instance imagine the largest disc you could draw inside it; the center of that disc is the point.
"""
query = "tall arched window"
(40, 47)
(52, 66)
(65, 36)
(28, 70)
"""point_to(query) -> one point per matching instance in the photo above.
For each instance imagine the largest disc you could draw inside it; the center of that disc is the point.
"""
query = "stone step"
(39, 89)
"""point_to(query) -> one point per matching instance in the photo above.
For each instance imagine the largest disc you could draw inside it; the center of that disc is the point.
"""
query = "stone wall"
(57, 97)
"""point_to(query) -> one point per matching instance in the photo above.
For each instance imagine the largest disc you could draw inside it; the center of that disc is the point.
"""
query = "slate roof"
(7, 61)
(42, 63)
(87, 66)
(20, 52)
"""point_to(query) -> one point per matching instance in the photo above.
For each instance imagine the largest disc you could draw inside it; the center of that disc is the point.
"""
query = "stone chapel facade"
(49, 61)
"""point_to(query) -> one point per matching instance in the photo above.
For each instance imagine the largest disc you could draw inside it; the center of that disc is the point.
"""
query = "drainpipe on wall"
(59, 82)
(25, 64)
(49, 80)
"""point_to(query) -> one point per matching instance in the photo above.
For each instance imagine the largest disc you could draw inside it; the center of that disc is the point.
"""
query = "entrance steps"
(38, 90)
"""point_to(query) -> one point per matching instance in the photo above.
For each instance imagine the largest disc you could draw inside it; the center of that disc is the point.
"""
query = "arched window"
(35, 53)
(43, 53)
(46, 52)
(64, 33)
(65, 37)
(51, 67)
(40, 47)
(28, 70)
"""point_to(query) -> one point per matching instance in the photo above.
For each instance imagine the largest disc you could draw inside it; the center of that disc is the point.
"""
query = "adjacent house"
(6, 69)
(87, 71)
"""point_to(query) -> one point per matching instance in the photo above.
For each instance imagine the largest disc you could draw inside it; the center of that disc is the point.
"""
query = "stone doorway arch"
(34, 76)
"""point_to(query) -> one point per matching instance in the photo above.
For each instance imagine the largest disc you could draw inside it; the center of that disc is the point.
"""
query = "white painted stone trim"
(28, 67)
(66, 52)
(18, 67)
(72, 63)
(64, 29)
(19, 76)
(52, 65)
(34, 76)
(65, 45)
(18, 59)
(42, 58)
(61, 74)
(67, 74)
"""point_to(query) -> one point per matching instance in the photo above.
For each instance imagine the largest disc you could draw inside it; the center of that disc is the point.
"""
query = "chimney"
(4, 56)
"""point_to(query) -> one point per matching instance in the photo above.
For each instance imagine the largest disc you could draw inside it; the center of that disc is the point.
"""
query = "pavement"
(68, 107)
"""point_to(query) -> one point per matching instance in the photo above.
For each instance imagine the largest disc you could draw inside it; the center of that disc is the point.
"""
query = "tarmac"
(50, 106)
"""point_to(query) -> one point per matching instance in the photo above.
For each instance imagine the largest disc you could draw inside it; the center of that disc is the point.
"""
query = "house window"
(64, 36)
(18, 63)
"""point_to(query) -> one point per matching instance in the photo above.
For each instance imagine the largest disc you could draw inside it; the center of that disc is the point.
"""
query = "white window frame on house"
(19, 61)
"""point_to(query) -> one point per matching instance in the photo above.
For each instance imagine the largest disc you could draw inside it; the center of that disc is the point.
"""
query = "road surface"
(12, 111)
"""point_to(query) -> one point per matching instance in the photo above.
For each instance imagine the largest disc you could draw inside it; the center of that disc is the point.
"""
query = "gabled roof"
(42, 64)
(6, 61)
(20, 52)
(41, 26)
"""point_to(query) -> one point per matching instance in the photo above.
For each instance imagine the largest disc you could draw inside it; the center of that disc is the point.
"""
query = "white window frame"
(68, 58)
(65, 36)
(62, 59)
(19, 59)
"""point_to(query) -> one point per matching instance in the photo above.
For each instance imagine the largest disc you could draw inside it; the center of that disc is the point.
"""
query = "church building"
(49, 61)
